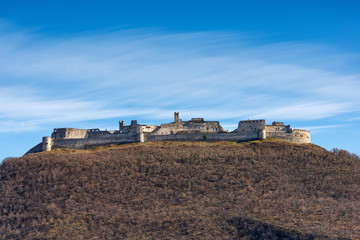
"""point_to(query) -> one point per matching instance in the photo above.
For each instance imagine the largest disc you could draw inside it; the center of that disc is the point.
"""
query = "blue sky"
(88, 64)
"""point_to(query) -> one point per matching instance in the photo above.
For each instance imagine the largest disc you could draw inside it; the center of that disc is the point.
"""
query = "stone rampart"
(84, 143)
(69, 133)
(281, 135)
(197, 129)
(189, 126)
(200, 137)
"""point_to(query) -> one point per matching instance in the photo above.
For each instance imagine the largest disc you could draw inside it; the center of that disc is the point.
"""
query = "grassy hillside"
(170, 190)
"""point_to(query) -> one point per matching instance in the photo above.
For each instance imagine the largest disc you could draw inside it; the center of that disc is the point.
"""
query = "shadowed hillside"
(170, 190)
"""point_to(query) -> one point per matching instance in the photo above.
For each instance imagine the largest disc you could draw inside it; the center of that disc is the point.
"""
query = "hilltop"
(197, 129)
(265, 189)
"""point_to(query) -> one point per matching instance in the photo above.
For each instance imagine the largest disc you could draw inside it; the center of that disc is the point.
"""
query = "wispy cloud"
(318, 129)
(306, 111)
(148, 73)
(354, 118)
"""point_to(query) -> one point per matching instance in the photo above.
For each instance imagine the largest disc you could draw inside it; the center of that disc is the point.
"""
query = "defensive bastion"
(194, 130)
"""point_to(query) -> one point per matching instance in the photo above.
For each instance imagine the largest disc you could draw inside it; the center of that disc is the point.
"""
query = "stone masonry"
(197, 129)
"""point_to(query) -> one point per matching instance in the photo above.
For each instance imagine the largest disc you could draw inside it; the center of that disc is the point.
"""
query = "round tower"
(262, 133)
(47, 143)
(301, 136)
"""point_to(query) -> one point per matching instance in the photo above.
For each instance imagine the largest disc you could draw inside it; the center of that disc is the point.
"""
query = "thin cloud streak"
(306, 111)
(149, 74)
(314, 128)
(318, 129)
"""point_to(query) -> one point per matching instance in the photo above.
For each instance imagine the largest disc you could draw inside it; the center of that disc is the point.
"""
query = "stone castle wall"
(85, 143)
(200, 137)
(281, 135)
(251, 125)
(67, 133)
(87, 138)
(187, 127)
(274, 128)
(194, 130)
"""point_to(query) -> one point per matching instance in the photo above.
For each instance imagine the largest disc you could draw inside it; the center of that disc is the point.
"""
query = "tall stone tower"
(121, 126)
(176, 117)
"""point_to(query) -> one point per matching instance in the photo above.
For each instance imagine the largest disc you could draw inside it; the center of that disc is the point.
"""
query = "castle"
(197, 129)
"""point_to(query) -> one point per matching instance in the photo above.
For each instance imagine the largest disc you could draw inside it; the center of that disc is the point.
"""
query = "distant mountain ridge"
(267, 189)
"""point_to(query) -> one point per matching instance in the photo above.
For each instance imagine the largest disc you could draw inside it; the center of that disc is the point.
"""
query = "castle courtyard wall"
(83, 143)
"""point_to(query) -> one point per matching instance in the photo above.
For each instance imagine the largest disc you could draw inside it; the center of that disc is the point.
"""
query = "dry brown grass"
(178, 190)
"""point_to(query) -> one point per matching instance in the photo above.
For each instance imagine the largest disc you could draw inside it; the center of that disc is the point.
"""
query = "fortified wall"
(196, 129)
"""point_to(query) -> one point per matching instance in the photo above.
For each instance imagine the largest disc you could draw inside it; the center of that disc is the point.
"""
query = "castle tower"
(176, 117)
(134, 124)
(47, 144)
(262, 133)
(121, 126)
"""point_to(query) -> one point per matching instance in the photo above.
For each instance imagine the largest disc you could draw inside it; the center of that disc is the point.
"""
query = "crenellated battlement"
(196, 129)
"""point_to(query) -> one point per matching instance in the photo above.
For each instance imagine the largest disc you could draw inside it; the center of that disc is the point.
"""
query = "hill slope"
(163, 190)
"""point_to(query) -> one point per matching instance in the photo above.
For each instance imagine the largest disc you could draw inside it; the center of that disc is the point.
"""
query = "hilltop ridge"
(197, 129)
(266, 189)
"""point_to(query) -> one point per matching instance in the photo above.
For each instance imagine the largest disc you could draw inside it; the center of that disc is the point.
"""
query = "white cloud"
(151, 74)
(319, 129)
(314, 128)
(305, 111)
(354, 118)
